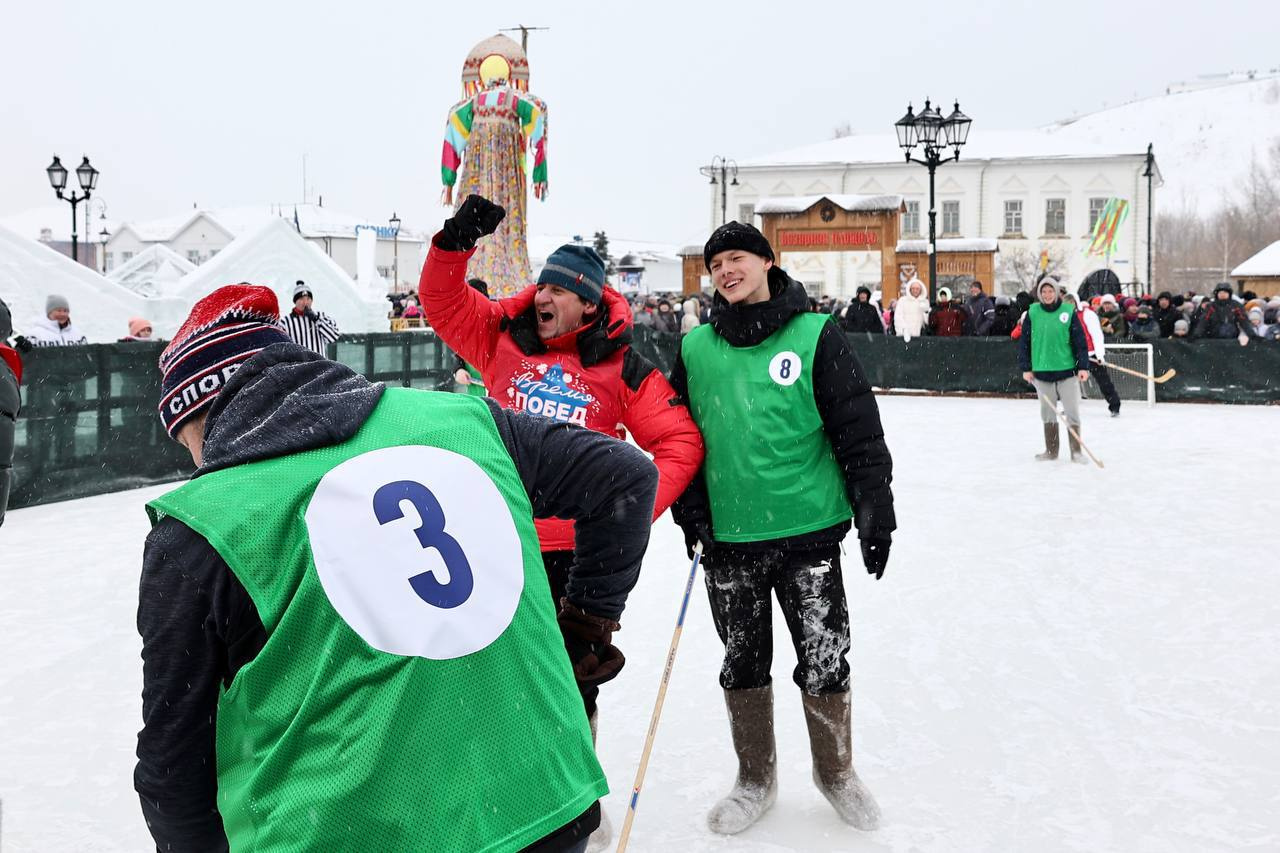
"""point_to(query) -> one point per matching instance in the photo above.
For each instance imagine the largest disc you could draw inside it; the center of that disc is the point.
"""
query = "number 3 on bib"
(431, 534)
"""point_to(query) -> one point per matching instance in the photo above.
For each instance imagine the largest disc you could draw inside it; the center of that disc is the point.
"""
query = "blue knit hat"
(577, 269)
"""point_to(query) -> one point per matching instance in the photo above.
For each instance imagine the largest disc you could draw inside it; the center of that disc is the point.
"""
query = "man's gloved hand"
(587, 639)
(875, 555)
(696, 531)
(476, 217)
(21, 344)
(309, 314)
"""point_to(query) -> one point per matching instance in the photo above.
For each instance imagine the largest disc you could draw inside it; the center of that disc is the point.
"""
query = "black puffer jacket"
(845, 402)
(859, 316)
(199, 626)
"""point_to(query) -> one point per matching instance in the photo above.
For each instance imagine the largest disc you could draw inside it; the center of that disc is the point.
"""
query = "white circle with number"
(785, 368)
(417, 551)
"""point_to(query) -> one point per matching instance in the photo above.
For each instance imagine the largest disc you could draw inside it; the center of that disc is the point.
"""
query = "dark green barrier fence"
(89, 423)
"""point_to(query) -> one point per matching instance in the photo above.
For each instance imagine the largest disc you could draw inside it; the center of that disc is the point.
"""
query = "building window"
(1055, 217)
(193, 255)
(911, 219)
(950, 218)
(1095, 210)
(747, 213)
(1013, 218)
(125, 257)
(212, 252)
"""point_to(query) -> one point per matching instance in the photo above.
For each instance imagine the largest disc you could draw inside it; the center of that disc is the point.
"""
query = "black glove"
(875, 555)
(695, 532)
(476, 217)
(309, 314)
(587, 640)
(21, 344)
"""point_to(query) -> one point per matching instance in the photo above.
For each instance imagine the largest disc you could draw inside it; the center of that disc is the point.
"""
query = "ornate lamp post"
(395, 246)
(728, 172)
(935, 134)
(88, 178)
(103, 236)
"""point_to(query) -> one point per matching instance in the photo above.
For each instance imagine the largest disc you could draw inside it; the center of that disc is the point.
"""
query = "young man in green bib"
(795, 451)
(349, 641)
(1054, 355)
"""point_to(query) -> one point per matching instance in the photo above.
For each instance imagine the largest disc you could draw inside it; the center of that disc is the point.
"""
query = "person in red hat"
(346, 637)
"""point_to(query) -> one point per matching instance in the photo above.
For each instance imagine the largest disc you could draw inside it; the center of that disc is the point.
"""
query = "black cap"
(736, 235)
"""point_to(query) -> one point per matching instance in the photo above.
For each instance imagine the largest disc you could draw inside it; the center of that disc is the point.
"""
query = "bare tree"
(1023, 265)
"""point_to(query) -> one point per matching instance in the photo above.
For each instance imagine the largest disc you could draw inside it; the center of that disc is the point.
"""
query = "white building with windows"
(1029, 190)
(199, 235)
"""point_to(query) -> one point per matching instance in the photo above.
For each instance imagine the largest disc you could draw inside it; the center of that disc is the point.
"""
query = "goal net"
(1139, 357)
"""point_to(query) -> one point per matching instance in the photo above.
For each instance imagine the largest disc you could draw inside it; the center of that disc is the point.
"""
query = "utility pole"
(1149, 174)
(524, 34)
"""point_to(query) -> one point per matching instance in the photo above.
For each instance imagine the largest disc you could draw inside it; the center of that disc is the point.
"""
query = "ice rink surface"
(1058, 658)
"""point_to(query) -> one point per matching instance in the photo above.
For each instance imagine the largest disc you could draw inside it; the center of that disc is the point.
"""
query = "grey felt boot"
(756, 788)
(830, 740)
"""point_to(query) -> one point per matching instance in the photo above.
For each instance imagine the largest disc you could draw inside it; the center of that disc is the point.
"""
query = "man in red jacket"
(560, 348)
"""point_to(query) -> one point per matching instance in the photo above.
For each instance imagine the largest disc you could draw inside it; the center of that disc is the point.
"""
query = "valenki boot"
(1051, 443)
(1077, 455)
(830, 740)
(756, 788)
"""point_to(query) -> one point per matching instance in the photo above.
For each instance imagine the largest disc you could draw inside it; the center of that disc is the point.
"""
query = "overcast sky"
(216, 104)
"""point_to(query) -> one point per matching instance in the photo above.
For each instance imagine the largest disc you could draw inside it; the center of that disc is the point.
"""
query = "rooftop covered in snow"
(312, 221)
(1265, 264)
(850, 202)
(950, 244)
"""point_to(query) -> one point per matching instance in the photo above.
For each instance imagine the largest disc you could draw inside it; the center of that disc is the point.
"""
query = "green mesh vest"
(1051, 338)
(770, 470)
(413, 692)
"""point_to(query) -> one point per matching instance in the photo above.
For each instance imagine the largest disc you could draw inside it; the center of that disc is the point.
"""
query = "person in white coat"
(55, 329)
(689, 320)
(912, 311)
(1097, 352)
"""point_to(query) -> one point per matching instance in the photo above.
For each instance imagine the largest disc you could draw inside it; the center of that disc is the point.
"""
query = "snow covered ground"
(1058, 658)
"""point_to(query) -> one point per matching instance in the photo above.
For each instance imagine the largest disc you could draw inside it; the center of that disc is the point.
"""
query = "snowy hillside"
(1059, 658)
(1204, 139)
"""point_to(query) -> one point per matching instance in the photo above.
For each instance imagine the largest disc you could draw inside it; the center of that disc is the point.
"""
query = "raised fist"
(476, 217)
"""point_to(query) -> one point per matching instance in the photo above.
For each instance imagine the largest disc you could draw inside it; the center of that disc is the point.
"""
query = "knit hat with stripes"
(577, 269)
(221, 333)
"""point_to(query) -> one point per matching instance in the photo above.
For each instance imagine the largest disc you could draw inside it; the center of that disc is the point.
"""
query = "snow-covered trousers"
(1065, 390)
(811, 594)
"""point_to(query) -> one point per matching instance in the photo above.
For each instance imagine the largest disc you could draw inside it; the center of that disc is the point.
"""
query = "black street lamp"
(103, 236)
(728, 172)
(88, 178)
(934, 134)
(395, 246)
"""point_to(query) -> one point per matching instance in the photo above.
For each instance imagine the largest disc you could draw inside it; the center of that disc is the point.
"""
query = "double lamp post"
(934, 134)
(88, 178)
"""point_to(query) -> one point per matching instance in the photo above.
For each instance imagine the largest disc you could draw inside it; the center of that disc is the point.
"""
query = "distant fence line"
(89, 423)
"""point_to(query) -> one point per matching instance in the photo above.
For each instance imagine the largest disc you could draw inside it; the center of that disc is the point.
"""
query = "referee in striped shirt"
(305, 327)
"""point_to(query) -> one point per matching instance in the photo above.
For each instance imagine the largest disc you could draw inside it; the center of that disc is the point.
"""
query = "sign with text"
(836, 240)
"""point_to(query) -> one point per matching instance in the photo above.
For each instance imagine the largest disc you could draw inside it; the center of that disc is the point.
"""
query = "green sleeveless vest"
(769, 468)
(413, 692)
(1051, 338)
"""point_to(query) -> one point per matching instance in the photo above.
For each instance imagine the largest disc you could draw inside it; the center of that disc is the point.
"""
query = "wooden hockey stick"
(1063, 418)
(657, 708)
(1163, 377)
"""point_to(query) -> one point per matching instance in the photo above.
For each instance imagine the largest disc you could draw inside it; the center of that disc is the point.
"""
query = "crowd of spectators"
(1124, 319)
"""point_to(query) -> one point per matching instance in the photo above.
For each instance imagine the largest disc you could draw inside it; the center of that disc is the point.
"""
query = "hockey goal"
(1139, 357)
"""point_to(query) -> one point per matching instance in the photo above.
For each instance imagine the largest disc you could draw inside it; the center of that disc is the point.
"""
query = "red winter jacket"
(590, 377)
(947, 321)
(10, 357)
